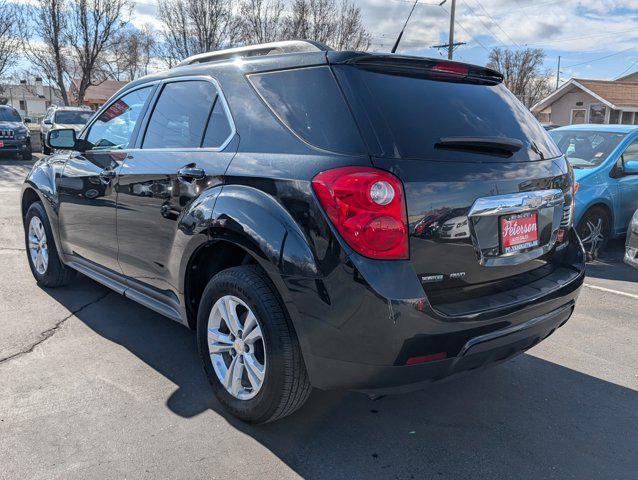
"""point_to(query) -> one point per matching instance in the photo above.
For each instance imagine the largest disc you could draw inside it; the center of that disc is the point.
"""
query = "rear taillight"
(568, 210)
(367, 207)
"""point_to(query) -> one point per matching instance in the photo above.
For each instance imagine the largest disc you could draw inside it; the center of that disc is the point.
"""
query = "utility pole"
(558, 73)
(450, 48)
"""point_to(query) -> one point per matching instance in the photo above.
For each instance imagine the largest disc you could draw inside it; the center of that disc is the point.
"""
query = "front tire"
(249, 349)
(42, 254)
(594, 230)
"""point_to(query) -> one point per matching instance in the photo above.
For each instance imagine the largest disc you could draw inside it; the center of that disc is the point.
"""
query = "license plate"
(519, 232)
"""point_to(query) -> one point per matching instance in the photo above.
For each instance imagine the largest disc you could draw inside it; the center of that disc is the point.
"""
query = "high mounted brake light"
(452, 67)
(367, 207)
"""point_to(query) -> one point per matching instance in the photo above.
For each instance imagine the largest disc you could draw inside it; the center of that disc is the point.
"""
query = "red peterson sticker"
(519, 232)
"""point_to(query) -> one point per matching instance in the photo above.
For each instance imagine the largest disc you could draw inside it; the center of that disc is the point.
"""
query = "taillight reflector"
(367, 207)
(426, 358)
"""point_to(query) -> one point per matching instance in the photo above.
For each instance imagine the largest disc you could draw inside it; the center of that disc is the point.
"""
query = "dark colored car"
(15, 139)
(268, 198)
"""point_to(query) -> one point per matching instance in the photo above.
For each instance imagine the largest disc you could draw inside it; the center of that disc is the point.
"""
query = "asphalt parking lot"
(94, 386)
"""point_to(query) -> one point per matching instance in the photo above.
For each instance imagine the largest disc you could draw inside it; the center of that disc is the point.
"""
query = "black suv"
(339, 220)
(15, 139)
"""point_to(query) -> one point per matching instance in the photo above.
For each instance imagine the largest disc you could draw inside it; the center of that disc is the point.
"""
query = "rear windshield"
(586, 149)
(72, 118)
(410, 115)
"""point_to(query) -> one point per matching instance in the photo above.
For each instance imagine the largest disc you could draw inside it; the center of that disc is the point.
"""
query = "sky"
(595, 38)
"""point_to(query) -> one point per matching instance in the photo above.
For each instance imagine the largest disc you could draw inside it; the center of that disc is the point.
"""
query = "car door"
(628, 187)
(88, 185)
(188, 141)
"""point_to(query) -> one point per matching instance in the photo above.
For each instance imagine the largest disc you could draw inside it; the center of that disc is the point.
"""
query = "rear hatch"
(486, 188)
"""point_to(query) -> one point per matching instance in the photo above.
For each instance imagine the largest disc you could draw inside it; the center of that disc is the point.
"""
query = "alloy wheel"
(236, 347)
(38, 248)
(594, 235)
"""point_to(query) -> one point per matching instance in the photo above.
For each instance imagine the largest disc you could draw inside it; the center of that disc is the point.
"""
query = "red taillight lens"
(367, 207)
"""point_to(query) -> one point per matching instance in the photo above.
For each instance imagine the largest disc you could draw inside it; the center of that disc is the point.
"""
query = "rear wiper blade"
(487, 145)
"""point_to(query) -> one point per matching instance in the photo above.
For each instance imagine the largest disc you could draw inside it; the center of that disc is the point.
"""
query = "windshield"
(412, 116)
(73, 118)
(9, 115)
(586, 149)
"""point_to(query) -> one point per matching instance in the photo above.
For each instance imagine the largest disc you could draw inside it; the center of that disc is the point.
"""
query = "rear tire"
(594, 231)
(281, 385)
(44, 261)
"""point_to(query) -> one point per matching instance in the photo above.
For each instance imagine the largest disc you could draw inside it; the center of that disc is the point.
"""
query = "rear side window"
(409, 115)
(309, 102)
(180, 115)
(219, 128)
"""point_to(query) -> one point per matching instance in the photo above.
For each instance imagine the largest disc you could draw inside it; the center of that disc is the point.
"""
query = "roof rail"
(273, 48)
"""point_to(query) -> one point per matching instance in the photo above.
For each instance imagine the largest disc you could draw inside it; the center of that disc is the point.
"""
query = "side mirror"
(630, 167)
(47, 122)
(27, 120)
(61, 139)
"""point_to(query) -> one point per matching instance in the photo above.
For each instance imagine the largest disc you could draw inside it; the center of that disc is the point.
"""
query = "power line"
(627, 69)
(496, 23)
(487, 28)
(466, 31)
(600, 58)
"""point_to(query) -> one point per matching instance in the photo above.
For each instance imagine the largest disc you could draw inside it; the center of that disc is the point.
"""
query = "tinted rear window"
(409, 115)
(309, 102)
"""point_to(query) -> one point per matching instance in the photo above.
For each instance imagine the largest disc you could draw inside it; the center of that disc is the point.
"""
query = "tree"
(44, 43)
(523, 72)
(131, 53)
(261, 21)
(9, 36)
(337, 25)
(195, 26)
(93, 26)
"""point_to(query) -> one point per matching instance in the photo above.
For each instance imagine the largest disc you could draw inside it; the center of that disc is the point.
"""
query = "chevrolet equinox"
(337, 220)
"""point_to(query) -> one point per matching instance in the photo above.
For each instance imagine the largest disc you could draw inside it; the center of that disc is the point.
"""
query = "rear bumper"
(479, 352)
(356, 336)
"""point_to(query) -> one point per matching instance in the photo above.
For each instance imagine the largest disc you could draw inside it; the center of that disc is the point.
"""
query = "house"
(30, 100)
(591, 101)
(96, 95)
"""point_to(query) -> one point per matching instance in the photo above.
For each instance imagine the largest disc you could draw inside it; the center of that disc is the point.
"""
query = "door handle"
(107, 175)
(191, 173)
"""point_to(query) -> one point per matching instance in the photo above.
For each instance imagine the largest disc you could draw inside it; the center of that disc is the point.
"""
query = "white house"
(30, 100)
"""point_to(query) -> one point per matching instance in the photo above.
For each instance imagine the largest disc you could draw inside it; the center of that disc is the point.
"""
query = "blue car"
(605, 161)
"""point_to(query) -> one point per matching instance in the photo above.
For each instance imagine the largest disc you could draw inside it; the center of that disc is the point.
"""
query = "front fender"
(42, 182)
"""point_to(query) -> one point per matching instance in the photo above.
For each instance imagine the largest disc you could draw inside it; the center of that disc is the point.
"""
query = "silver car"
(631, 251)
(63, 117)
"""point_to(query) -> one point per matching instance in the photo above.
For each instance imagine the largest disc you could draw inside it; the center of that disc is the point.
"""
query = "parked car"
(631, 249)
(605, 160)
(267, 197)
(62, 117)
(15, 139)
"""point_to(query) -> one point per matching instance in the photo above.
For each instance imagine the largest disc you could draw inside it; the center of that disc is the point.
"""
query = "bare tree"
(261, 21)
(9, 36)
(131, 53)
(92, 28)
(195, 26)
(338, 25)
(523, 72)
(44, 43)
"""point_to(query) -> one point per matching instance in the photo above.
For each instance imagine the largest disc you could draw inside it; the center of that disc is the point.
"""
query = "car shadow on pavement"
(526, 418)
(610, 265)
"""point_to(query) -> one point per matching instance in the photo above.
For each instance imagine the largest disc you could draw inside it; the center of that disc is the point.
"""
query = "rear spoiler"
(435, 69)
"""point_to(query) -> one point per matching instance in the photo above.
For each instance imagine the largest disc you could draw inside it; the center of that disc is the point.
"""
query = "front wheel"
(43, 257)
(594, 231)
(248, 346)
